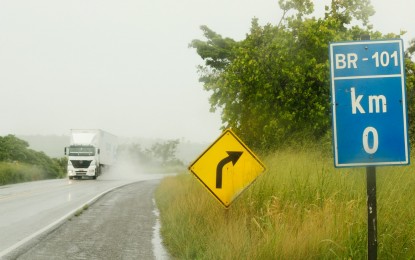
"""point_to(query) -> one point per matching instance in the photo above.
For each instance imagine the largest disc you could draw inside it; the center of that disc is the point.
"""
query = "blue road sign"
(369, 103)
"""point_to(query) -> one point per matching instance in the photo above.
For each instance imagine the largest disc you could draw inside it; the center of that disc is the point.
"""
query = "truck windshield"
(81, 151)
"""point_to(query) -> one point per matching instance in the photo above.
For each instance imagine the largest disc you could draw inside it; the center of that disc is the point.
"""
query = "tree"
(165, 151)
(135, 153)
(410, 89)
(273, 86)
(13, 149)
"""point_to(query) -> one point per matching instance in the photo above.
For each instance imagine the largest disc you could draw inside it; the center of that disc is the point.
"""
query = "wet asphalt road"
(120, 225)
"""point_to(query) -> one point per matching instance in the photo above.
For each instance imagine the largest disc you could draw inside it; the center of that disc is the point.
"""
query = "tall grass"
(301, 208)
(19, 172)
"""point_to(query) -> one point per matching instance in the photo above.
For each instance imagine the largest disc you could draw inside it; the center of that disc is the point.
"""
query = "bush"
(17, 172)
(19, 163)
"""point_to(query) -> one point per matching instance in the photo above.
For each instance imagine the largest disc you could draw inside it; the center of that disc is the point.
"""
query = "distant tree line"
(19, 163)
(161, 154)
(273, 86)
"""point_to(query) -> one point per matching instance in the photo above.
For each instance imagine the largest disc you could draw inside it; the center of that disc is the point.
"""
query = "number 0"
(375, 145)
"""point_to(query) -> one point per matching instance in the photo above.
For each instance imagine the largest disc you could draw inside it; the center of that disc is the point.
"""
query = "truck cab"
(89, 151)
(83, 160)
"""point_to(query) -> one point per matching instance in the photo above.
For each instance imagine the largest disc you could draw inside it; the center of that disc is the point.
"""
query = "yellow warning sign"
(227, 167)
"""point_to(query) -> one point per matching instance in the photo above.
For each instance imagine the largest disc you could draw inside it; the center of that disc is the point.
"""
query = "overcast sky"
(124, 66)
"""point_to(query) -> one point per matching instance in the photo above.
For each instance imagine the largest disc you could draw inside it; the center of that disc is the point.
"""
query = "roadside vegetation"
(18, 163)
(301, 208)
(273, 89)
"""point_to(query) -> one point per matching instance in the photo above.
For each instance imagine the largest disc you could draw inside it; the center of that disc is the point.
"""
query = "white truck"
(89, 151)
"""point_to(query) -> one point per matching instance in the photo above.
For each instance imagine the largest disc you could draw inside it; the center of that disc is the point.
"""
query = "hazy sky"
(124, 66)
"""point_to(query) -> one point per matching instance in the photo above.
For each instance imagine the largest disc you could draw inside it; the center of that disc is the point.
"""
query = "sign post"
(369, 112)
(372, 236)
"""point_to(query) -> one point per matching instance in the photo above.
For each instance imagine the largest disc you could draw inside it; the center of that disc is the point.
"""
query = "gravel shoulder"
(120, 225)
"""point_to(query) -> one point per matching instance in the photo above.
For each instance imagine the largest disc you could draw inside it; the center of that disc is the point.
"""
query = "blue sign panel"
(369, 103)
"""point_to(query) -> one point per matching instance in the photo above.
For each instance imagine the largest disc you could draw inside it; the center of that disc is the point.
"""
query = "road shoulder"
(120, 225)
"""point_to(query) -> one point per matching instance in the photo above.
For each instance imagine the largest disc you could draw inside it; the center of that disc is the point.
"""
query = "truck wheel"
(97, 173)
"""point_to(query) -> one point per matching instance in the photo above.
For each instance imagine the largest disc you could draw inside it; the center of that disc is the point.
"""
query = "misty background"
(125, 66)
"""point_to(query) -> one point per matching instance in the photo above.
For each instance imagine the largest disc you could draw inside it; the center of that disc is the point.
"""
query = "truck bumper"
(87, 172)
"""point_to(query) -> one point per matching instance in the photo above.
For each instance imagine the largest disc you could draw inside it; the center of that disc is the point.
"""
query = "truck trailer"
(89, 152)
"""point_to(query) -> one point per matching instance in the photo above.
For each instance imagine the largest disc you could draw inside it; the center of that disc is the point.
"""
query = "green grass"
(81, 210)
(301, 208)
(19, 172)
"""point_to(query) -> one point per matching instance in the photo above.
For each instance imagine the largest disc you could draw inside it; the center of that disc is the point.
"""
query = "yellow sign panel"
(227, 167)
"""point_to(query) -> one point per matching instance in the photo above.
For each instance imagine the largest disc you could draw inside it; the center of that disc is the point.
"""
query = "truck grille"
(80, 173)
(80, 164)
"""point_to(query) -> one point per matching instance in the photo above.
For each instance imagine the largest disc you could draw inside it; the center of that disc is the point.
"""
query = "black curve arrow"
(233, 157)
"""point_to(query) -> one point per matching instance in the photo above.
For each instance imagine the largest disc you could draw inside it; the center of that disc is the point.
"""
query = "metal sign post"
(372, 224)
(372, 242)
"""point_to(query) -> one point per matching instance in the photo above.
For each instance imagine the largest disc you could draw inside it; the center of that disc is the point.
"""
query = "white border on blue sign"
(404, 105)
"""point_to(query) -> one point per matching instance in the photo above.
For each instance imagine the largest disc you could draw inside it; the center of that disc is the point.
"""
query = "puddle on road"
(159, 251)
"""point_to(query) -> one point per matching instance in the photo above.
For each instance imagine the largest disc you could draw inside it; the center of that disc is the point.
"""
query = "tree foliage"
(166, 151)
(135, 153)
(160, 153)
(15, 150)
(410, 89)
(273, 86)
